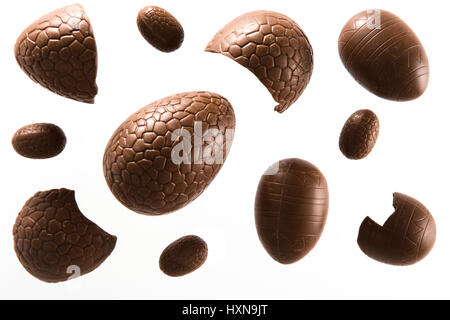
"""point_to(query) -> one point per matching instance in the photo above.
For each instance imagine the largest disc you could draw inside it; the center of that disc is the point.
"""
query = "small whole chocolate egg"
(359, 134)
(161, 29)
(39, 141)
(183, 256)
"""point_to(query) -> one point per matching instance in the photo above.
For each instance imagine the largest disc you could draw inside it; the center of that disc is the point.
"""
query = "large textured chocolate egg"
(384, 55)
(291, 209)
(167, 153)
(359, 134)
(274, 48)
(58, 51)
(55, 242)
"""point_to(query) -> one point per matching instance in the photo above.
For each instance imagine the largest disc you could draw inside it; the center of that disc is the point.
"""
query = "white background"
(411, 156)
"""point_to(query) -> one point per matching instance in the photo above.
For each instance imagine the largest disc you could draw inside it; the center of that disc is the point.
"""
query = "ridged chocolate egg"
(406, 237)
(384, 55)
(164, 156)
(291, 208)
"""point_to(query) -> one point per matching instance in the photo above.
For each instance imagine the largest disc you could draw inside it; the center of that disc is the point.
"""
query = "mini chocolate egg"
(183, 256)
(39, 141)
(161, 29)
(359, 134)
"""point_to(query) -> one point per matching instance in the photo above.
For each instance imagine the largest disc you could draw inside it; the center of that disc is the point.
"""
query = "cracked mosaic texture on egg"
(274, 48)
(51, 236)
(59, 52)
(138, 164)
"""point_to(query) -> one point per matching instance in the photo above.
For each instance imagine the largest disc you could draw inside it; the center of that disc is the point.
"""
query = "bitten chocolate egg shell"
(274, 48)
(291, 208)
(183, 256)
(161, 29)
(59, 52)
(164, 156)
(359, 134)
(404, 239)
(55, 242)
(384, 55)
(39, 141)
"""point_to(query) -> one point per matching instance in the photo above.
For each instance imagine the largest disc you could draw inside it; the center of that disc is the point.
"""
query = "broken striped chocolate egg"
(359, 134)
(183, 256)
(404, 239)
(384, 55)
(39, 141)
(59, 52)
(274, 48)
(164, 156)
(291, 208)
(161, 29)
(54, 241)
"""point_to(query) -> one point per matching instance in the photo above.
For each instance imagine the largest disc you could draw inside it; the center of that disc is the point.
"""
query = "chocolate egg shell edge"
(59, 52)
(274, 48)
(54, 241)
(406, 237)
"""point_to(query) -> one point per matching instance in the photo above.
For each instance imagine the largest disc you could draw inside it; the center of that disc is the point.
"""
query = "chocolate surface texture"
(359, 134)
(384, 55)
(54, 241)
(138, 163)
(39, 141)
(291, 208)
(404, 239)
(274, 48)
(59, 52)
(183, 256)
(161, 29)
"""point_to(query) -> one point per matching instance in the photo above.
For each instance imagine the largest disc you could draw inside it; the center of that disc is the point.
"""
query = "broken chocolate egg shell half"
(39, 141)
(183, 256)
(291, 208)
(274, 48)
(359, 134)
(161, 29)
(164, 156)
(54, 241)
(59, 52)
(404, 239)
(384, 55)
